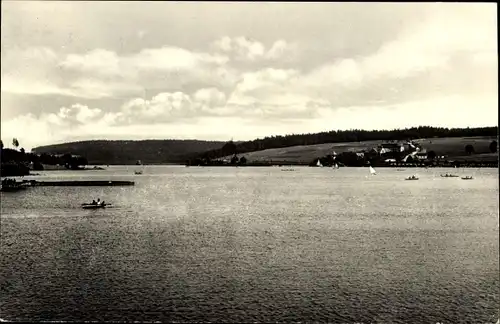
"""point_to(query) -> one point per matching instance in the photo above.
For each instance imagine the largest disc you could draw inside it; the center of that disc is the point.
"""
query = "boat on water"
(413, 177)
(11, 185)
(139, 162)
(318, 164)
(94, 206)
(449, 175)
(335, 166)
(467, 178)
(372, 171)
(290, 168)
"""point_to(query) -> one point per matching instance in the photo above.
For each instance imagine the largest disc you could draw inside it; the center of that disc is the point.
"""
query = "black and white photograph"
(249, 162)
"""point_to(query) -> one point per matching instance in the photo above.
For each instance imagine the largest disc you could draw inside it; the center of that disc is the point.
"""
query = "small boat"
(94, 206)
(413, 177)
(12, 185)
(318, 164)
(137, 172)
(467, 178)
(449, 175)
(372, 171)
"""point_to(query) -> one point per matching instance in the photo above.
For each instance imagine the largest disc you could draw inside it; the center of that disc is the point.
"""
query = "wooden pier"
(78, 183)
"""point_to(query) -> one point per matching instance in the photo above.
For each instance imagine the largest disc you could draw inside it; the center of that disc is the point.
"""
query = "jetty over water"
(79, 183)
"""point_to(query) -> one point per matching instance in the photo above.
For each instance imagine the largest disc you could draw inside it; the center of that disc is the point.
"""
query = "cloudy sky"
(204, 70)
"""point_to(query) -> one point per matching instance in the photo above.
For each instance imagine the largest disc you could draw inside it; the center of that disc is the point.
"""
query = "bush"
(469, 149)
(493, 147)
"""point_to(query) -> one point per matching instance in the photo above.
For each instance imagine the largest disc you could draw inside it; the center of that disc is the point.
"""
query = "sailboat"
(139, 162)
(335, 166)
(372, 171)
(319, 163)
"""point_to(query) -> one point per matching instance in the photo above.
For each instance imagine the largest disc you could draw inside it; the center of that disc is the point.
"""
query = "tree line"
(15, 162)
(354, 135)
(376, 159)
(128, 152)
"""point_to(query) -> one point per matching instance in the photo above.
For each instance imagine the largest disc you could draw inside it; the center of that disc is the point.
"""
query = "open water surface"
(254, 245)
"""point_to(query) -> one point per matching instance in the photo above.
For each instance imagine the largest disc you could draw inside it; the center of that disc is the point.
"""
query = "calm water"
(254, 244)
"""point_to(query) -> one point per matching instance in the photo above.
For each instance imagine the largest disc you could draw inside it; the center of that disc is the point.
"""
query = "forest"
(355, 135)
(127, 152)
(16, 162)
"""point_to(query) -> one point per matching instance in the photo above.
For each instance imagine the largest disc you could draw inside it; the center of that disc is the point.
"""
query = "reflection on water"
(254, 244)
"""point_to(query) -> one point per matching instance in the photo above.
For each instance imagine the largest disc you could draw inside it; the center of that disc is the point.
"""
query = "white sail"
(319, 164)
(372, 171)
(336, 166)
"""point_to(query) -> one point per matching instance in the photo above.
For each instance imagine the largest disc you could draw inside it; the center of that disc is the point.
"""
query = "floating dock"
(77, 183)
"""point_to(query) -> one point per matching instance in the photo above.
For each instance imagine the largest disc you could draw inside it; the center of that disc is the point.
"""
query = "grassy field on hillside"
(453, 147)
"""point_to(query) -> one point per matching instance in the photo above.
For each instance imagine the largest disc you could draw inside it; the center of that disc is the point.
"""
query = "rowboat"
(94, 206)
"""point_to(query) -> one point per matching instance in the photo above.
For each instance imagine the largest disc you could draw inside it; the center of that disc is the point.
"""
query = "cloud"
(98, 61)
(166, 58)
(30, 71)
(79, 113)
(95, 88)
(269, 93)
(103, 73)
(243, 49)
(454, 111)
(161, 108)
(445, 52)
(169, 107)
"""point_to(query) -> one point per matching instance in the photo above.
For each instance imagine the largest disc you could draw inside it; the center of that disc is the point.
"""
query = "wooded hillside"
(128, 152)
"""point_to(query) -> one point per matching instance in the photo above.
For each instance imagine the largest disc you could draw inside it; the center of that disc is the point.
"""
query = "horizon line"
(261, 138)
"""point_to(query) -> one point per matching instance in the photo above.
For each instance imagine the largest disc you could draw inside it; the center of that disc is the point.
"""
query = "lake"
(254, 245)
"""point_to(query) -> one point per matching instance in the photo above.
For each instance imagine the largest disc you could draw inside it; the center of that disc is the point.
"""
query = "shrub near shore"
(19, 163)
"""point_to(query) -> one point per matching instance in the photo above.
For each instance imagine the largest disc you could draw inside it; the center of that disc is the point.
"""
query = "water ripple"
(254, 245)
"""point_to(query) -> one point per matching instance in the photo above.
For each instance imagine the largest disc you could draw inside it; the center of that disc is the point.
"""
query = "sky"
(79, 70)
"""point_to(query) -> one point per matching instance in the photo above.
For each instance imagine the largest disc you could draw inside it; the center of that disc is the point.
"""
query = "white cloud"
(103, 73)
(94, 88)
(454, 112)
(278, 49)
(428, 62)
(269, 78)
(98, 61)
(164, 58)
(418, 49)
(171, 107)
(171, 58)
(29, 71)
(162, 107)
(208, 98)
(245, 49)
(31, 86)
